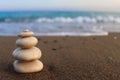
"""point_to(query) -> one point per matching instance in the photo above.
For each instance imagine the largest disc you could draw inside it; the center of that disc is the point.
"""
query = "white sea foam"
(80, 19)
(52, 29)
(73, 34)
(79, 26)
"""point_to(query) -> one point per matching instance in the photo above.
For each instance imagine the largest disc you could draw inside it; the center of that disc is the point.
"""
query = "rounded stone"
(26, 42)
(26, 33)
(27, 54)
(28, 67)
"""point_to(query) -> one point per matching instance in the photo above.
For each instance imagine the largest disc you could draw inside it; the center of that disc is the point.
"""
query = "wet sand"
(68, 58)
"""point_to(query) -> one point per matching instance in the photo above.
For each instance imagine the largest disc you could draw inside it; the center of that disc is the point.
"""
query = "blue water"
(59, 22)
(21, 15)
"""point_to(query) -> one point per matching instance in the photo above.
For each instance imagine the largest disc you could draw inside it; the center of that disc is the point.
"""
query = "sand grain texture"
(68, 58)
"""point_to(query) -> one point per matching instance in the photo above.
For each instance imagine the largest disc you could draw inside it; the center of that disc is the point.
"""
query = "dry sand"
(68, 58)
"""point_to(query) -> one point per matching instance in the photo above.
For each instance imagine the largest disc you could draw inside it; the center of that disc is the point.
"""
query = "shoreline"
(65, 34)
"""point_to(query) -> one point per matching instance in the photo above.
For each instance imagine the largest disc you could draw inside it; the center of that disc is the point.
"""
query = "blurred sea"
(83, 23)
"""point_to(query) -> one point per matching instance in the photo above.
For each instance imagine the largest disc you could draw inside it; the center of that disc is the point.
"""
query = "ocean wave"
(81, 19)
(59, 23)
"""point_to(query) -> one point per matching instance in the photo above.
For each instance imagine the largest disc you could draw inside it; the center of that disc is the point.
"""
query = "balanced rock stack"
(27, 54)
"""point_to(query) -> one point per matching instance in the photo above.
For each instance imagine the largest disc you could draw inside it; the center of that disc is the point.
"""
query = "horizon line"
(12, 10)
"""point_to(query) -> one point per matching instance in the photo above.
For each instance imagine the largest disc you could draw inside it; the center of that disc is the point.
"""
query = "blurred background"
(60, 17)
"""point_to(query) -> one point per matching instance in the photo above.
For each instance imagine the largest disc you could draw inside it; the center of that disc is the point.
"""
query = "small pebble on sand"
(114, 37)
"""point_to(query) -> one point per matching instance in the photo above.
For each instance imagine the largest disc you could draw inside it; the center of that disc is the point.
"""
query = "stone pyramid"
(26, 54)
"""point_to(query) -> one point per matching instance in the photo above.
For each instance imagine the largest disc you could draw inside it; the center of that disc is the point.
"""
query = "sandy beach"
(68, 58)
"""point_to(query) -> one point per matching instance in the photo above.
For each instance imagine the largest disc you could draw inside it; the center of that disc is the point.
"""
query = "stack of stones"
(27, 54)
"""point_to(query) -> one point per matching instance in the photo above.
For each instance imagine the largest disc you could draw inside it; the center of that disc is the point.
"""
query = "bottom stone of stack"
(28, 66)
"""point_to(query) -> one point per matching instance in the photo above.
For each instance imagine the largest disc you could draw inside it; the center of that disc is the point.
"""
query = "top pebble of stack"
(26, 33)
